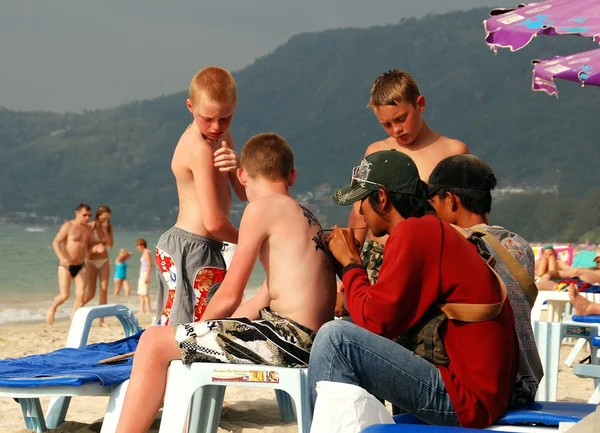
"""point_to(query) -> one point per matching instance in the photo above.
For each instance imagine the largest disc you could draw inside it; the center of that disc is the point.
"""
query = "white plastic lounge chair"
(29, 398)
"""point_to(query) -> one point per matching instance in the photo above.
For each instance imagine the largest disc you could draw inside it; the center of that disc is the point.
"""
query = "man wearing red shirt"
(426, 263)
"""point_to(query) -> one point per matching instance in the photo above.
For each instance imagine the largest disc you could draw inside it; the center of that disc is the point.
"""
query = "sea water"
(29, 281)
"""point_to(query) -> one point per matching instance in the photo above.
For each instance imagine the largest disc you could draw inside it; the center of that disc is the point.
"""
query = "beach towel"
(584, 259)
(582, 286)
(70, 367)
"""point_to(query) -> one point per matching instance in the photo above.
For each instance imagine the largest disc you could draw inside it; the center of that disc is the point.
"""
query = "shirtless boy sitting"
(278, 325)
(71, 245)
(399, 106)
(189, 263)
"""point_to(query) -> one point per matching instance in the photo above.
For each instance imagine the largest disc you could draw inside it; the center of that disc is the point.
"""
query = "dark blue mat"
(70, 367)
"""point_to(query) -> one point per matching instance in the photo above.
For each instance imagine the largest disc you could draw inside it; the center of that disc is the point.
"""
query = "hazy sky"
(71, 55)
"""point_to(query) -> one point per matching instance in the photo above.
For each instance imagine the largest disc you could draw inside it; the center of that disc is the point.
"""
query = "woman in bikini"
(98, 264)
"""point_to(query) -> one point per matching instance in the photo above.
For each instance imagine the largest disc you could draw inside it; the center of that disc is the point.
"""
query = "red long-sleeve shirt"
(423, 267)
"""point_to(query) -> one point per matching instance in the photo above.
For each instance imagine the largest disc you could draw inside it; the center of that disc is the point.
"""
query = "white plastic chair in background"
(548, 338)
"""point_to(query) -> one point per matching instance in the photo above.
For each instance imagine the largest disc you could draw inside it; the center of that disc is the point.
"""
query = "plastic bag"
(227, 253)
(344, 408)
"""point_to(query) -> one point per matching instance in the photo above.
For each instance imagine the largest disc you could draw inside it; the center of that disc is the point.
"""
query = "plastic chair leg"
(178, 395)
(205, 412)
(57, 410)
(576, 349)
(287, 412)
(548, 337)
(33, 414)
(114, 408)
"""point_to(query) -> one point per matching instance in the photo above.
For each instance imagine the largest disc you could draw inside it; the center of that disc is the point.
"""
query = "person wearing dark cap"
(426, 263)
(460, 191)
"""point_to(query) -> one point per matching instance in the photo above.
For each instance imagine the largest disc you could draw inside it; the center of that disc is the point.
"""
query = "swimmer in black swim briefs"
(73, 269)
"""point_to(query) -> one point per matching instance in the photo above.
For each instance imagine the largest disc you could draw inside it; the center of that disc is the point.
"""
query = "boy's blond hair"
(213, 83)
(269, 156)
(142, 242)
(123, 251)
(392, 87)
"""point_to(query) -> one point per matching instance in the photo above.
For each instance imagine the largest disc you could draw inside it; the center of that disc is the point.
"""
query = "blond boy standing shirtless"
(189, 263)
(278, 325)
(399, 106)
(71, 245)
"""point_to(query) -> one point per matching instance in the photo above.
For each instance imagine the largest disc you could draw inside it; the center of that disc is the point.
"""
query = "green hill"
(313, 90)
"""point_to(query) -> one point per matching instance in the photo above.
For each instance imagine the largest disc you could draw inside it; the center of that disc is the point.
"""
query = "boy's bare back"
(199, 184)
(300, 276)
(284, 236)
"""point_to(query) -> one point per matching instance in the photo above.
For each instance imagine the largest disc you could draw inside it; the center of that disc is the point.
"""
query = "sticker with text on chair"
(243, 375)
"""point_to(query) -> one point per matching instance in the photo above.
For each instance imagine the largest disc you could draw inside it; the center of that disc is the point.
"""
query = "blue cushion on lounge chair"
(548, 413)
(418, 428)
(69, 366)
(586, 319)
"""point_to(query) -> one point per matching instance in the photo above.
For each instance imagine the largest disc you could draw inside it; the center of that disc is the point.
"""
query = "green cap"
(395, 171)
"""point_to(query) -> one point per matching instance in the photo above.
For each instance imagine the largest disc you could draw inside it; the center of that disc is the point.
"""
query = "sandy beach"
(245, 410)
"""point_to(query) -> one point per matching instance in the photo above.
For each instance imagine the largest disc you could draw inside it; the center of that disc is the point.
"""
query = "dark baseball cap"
(395, 171)
(462, 171)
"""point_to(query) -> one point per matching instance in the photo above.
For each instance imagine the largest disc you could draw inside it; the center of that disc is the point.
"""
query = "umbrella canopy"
(515, 28)
(582, 68)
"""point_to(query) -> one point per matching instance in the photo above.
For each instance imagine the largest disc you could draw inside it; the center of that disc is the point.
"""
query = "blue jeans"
(344, 352)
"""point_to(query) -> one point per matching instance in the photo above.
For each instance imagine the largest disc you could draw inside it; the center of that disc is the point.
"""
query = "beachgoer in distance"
(98, 261)
(143, 288)
(423, 256)
(71, 245)
(549, 262)
(278, 325)
(586, 275)
(120, 278)
(399, 106)
(189, 263)
(460, 189)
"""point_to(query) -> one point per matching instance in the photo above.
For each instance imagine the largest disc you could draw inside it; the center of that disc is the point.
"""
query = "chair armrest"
(586, 370)
(84, 316)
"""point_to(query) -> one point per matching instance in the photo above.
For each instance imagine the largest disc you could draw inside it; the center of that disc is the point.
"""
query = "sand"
(245, 410)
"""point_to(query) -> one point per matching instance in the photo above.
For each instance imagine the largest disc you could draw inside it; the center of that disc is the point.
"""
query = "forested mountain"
(313, 90)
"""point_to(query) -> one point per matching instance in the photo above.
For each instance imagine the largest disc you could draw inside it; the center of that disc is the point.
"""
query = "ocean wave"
(25, 315)
(37, 314)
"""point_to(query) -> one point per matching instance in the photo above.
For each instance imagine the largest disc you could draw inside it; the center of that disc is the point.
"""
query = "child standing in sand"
(145, 271)
(121, 272)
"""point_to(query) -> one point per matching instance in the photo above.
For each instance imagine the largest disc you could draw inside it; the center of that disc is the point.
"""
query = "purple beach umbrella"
(581, 68)
(515, 28)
